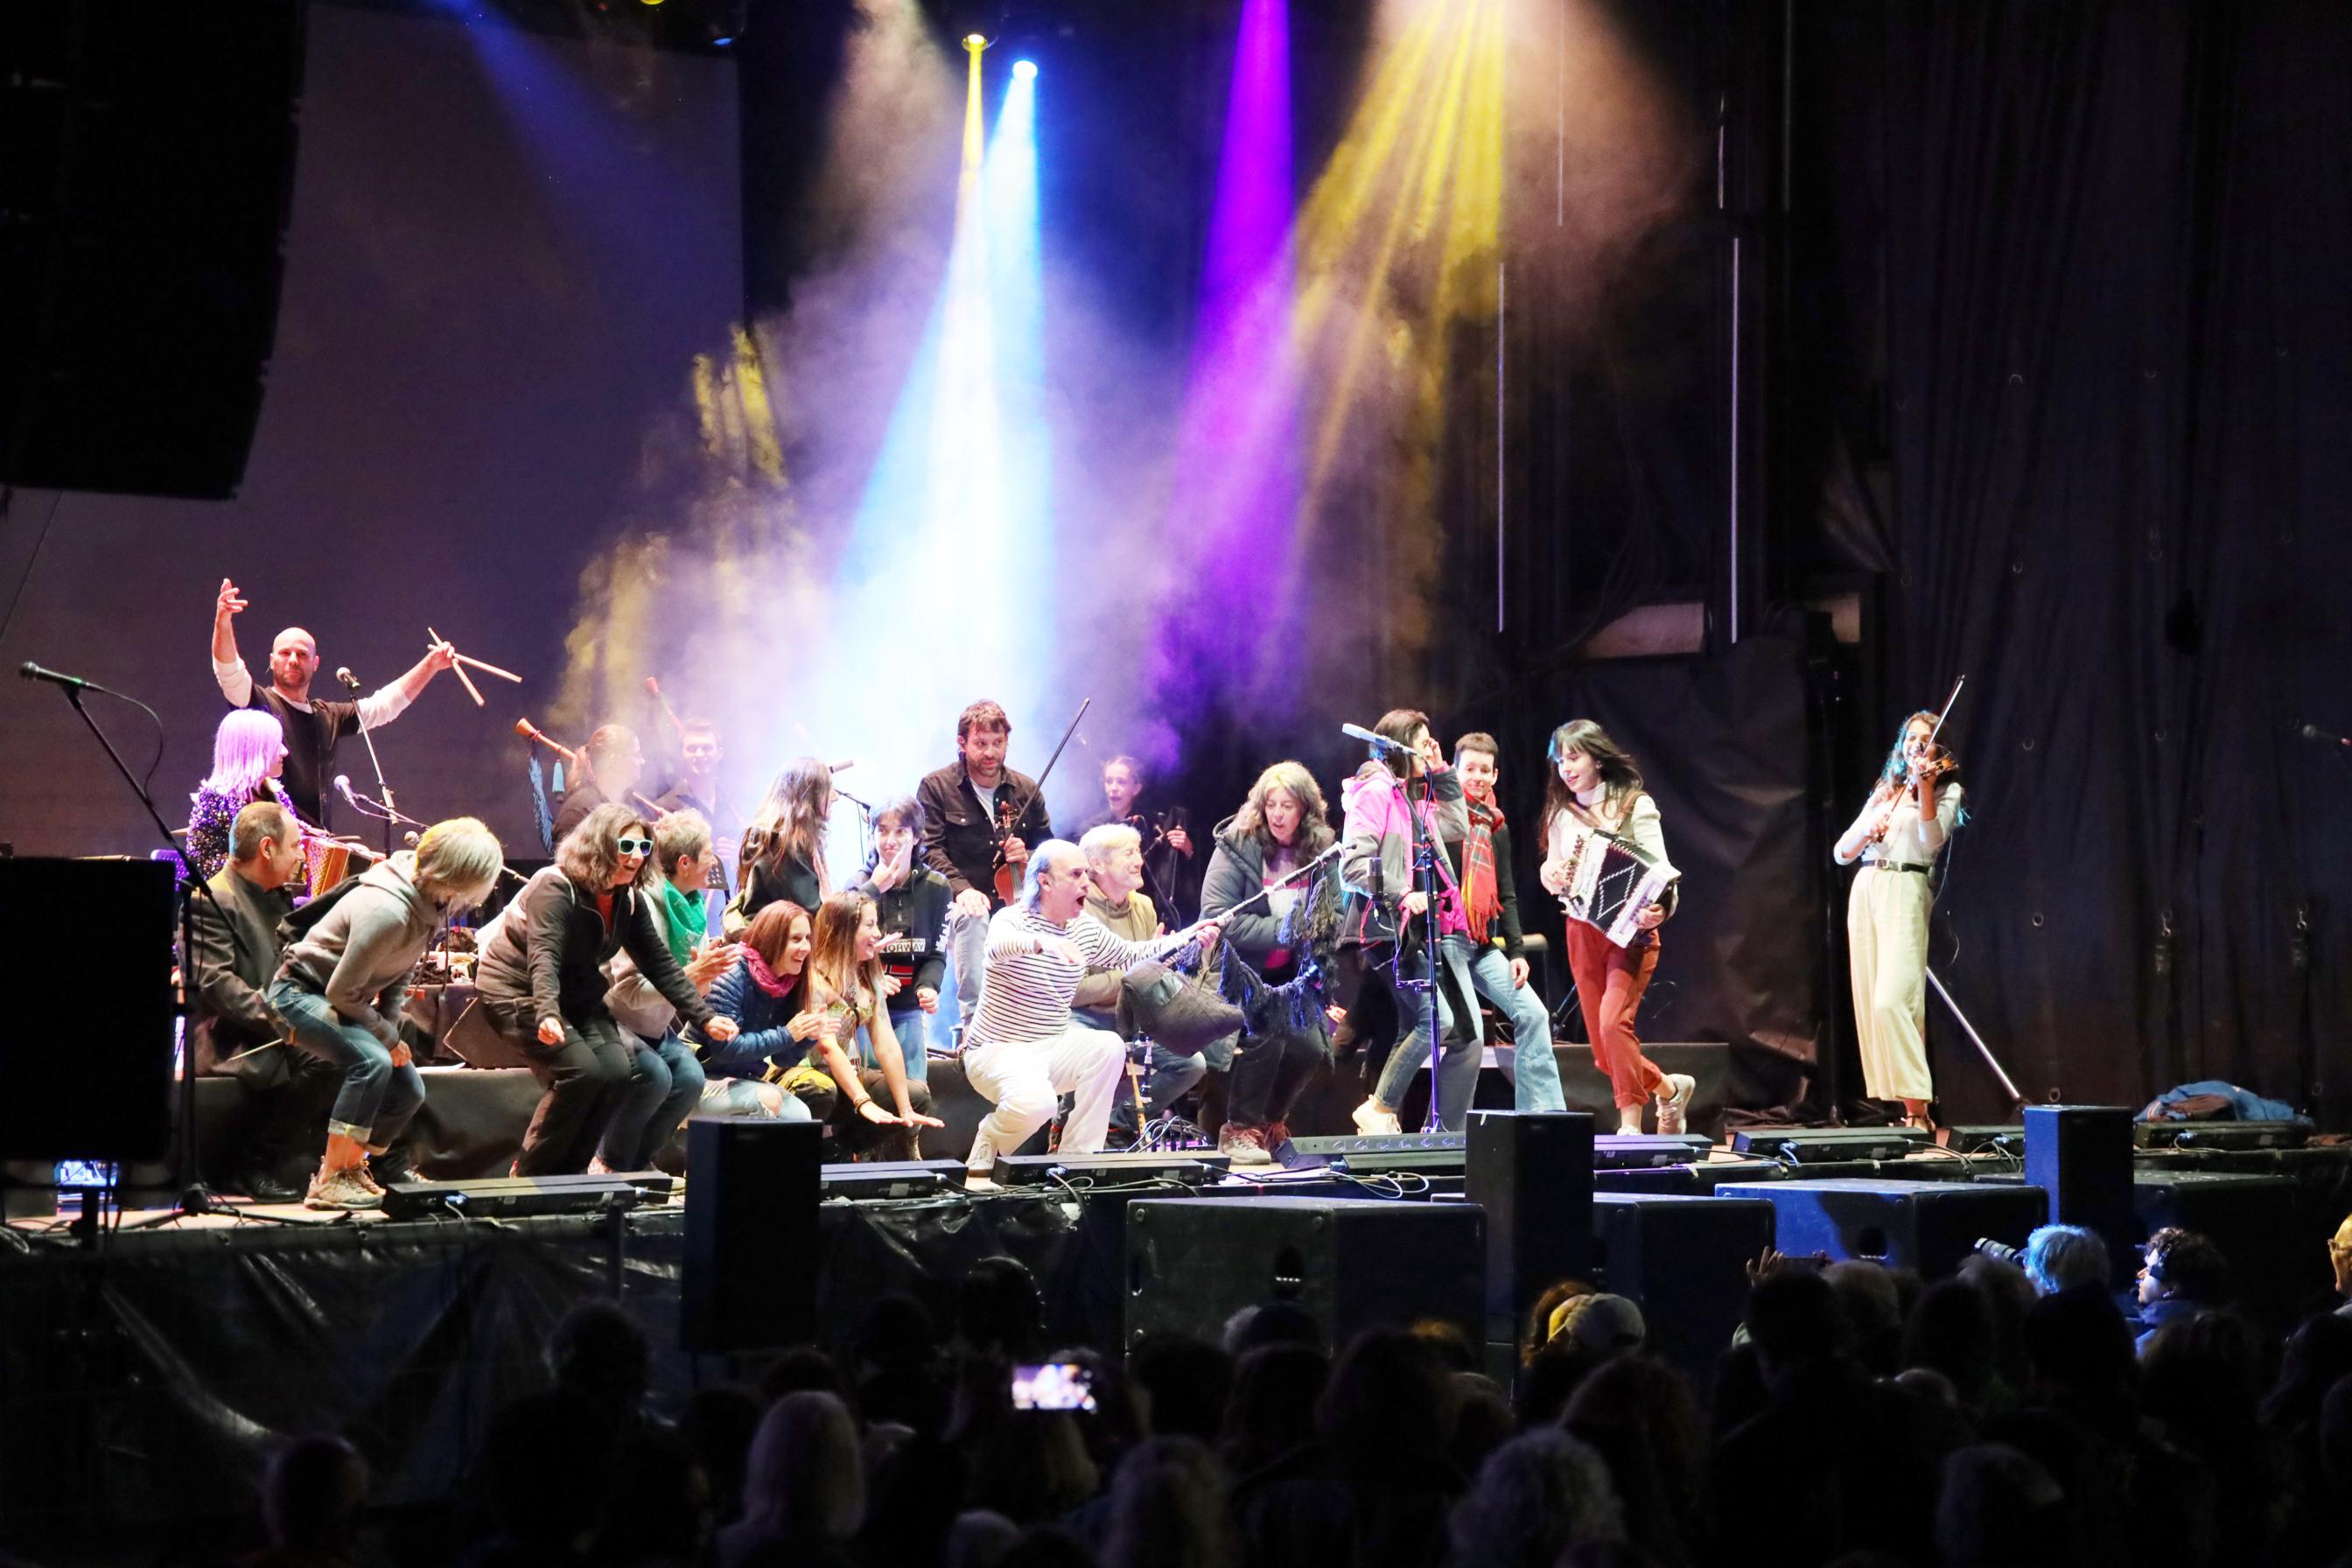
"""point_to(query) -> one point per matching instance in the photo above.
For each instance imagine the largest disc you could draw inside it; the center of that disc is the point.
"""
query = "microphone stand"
(389, 814)
(1424, 867)
(193, 1197)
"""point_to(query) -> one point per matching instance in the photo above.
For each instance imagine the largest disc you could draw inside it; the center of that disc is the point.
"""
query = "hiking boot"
(1674, 1103)
(1244, 1145)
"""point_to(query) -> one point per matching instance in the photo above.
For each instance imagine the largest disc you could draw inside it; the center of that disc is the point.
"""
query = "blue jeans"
(1458, 1069)
(664, 1084)
(1534, 1071)
(750, 1096)
(377, 1098)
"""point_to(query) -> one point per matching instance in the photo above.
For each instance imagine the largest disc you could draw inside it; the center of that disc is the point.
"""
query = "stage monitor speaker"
(1355, 1264)
(2253, 1219)
(142, 239)
(1532, 1174)
(86, 1053)
(749, 1276)
(2081, 1155)
(1684, 1261)
(1929, 1227)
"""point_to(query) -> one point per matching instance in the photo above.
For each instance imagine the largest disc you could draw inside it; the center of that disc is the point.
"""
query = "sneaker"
(1278, 1133)
(343, 1189)
(1674, 1103)
(1373, 1122)
(1244, 1145)
(367, 1178)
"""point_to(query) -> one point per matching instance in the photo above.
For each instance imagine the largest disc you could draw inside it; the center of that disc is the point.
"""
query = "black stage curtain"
(2085, 275)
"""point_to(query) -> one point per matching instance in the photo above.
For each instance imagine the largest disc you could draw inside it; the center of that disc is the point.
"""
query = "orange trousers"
(1610, 981)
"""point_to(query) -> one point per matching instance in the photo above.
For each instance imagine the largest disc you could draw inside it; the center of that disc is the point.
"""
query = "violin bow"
(1947, 713)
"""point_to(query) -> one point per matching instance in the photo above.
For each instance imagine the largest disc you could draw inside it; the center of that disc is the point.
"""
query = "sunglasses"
(634, 846)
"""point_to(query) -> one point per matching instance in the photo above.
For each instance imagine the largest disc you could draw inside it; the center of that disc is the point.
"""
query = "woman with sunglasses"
(542, 984)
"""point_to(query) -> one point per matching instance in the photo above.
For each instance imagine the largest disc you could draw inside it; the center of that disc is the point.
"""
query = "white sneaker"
(1674, 1104)
(1373, 1122)
(1243, 1145)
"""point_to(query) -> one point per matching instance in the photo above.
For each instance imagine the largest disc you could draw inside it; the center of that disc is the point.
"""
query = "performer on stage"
(616, 760)
(1594, 787)
(1385, 924)
(970, 810)
(1486, 948)
(911, 901)
(1024, 1049)
(235, 1032)
(311, 729)
(248, 756)
(341, 987)
(541, 982)
(876, 1112)
(767, 993)
(1281, 826)
(666, 1082)
(783, 849)
(1114, 853)
(1167, 841)
(1912, 811)
(696, 789)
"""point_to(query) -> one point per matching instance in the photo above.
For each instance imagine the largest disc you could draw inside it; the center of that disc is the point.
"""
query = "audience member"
(1639, 1416)
(2001, 1510)
(718, 1423)
(1185, 1382)
(1865, 1293)
(600, 1352)
(1271, 1410)
(1538, 1494)
(2181, 1274)
(804, 1488)
(1168, 1508)
(2060, 1256)
(313, 1496)
(1270, 1323)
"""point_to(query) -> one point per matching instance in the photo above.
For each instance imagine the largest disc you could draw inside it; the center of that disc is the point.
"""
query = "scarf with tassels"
(1481, 885)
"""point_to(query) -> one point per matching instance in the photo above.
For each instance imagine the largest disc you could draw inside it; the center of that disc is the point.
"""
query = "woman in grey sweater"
(341, 986)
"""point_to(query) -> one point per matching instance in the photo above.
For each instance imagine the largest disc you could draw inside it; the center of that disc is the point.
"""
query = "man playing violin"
(980, 819)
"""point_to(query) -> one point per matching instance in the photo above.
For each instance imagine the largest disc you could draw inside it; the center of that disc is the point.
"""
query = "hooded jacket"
(1376, 864)
(361, 953)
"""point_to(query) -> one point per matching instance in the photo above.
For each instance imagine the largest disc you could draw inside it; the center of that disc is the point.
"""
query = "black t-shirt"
(310, 737)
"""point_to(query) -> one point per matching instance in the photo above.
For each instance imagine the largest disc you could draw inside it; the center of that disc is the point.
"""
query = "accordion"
(1607, 882)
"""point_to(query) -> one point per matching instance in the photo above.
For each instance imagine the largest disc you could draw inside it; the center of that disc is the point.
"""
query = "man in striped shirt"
(1023, 1049)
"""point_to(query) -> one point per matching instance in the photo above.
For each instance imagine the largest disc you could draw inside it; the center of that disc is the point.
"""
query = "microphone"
(343, 673)
(531, 732)
(32, 671)
(1378, 742)
(842, 767)
(2310, 731)
(343, 789)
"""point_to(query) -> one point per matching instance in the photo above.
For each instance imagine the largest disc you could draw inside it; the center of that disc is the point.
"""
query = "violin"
(1007, 819)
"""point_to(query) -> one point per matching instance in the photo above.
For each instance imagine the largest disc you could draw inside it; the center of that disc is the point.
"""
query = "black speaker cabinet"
(1926, 1225)
(86, 1054)
(1684, 1261)
(749, 1276)
(2081, 1155)
(1533, 1176)
(1192, 1263)
(2253, 1219)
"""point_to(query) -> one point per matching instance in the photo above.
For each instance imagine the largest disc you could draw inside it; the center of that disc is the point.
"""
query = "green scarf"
(685, 912)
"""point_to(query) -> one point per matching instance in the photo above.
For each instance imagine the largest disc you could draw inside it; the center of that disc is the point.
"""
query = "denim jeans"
(1533, 1069)
(664, 1084)
(913, 1027)
(377, 1098)
(1457, 1071)
(967, 962)
(750, 1096)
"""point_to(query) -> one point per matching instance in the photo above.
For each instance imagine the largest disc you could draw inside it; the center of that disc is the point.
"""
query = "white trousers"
(1886, 942)
(1025, 1080)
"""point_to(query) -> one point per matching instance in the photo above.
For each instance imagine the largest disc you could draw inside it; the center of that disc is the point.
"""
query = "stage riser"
(1929, 1227)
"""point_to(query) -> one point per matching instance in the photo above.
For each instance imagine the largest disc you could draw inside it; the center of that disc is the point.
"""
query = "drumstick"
(459, 671)
(485, 667)
(653, 685)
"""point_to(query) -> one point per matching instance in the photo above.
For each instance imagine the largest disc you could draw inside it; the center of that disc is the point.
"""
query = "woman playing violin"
(1912, 812)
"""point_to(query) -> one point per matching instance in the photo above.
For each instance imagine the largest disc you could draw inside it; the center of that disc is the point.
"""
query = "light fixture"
(1025, 70)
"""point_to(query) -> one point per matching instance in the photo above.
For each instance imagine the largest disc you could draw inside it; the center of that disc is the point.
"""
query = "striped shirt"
(1026, 994)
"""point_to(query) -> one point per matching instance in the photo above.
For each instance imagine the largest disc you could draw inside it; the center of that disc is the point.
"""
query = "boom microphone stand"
(391, 813)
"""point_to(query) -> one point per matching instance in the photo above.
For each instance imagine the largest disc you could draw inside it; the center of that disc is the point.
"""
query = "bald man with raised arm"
(313, 727)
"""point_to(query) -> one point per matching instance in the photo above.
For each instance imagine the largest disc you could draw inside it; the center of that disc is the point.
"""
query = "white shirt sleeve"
(236, 682)
(1106, 950)
(378, 708)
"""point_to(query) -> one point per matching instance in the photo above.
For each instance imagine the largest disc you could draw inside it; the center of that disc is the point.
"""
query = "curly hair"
(589, 854)
(1314, 834)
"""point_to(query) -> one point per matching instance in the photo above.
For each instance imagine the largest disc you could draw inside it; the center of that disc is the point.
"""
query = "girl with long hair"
(783, 849)
(1281, 827)
(767, 994)
(1912, 813)
(542, 984)
(846, 987)
(248, 759)
(1595, 787)
(1388, 954)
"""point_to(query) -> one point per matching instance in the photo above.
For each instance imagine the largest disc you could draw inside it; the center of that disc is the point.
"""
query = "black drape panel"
(2118, 365)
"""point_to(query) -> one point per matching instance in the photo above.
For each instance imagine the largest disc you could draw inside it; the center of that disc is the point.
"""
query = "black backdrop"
(2072, 288)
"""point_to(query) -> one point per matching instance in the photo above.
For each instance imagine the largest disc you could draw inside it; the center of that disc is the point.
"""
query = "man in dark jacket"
(235, 1032)
(963, 804)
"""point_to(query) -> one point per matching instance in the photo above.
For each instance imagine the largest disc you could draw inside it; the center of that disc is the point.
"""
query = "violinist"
(980, 819)
(1911, 813)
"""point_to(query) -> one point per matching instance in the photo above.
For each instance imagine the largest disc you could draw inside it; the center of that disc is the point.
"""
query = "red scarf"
(764, 977)
(1481, 886)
